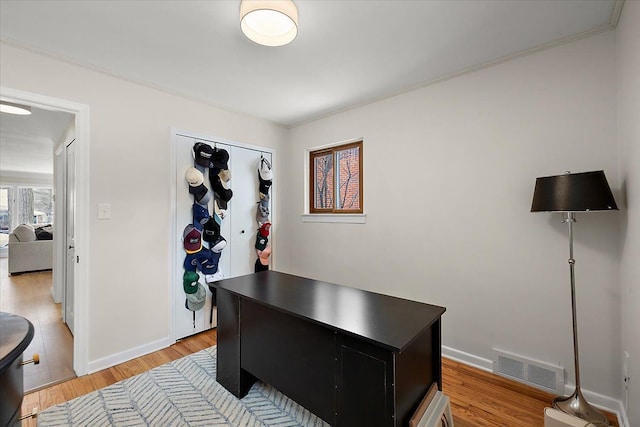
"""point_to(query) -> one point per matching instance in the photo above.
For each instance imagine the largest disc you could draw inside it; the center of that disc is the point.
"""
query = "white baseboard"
(467, 358)
(598, 400)
(54, 296)
(603, 402)
(623, 420)
(132, 353)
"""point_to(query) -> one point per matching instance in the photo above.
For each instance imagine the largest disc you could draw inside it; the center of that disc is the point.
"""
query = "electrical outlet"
(625, 365)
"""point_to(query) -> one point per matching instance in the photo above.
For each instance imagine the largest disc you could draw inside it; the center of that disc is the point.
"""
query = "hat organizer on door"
(202, 241)
(263, 250)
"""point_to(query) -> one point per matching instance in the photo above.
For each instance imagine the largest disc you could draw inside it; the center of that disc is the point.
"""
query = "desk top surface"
(385, 320)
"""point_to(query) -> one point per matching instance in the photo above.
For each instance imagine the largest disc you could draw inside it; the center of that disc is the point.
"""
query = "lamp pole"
(576, 404)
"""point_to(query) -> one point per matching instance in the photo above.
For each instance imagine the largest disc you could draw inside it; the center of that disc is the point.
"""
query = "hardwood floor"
(478, 398)
(29, 295)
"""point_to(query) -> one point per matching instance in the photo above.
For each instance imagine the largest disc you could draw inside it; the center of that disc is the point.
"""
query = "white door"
(239, 226)
(204, 318)
(70, 190)
(244, 228)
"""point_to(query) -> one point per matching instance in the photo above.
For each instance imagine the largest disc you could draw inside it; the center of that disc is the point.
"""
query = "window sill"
(335, 218)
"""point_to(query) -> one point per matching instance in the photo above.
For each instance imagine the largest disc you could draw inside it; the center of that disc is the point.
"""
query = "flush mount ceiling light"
(11, 108)
(269, 22)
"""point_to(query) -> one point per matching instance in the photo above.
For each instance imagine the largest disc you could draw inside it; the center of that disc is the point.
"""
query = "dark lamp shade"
(573, 192)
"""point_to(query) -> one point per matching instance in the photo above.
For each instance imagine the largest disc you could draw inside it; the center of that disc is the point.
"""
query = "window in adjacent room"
(336, 179)
(25, 205)
(6, 194)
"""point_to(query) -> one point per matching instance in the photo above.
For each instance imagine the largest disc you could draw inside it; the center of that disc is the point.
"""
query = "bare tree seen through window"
(348, 178)
(336, 179)
(324, 181)
(35, 205)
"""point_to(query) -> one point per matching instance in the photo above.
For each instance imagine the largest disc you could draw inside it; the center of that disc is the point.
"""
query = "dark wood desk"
(351, 357)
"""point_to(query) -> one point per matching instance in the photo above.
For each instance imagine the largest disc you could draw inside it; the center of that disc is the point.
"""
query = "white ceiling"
(347, 52)
(26, 142)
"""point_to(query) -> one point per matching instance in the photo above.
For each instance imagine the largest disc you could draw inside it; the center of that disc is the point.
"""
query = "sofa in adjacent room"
(30, 249)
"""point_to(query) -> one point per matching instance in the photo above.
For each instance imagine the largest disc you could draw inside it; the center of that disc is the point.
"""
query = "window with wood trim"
(336, 179)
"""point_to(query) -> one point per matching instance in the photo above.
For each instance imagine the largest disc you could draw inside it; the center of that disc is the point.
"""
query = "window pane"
(24, 205)
(43, 205)
(323, 181)
(348, 176)
(35, 205)
(6, 194)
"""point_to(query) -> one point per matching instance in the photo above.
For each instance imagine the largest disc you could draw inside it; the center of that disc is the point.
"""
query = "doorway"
(29, 196)
(78, 282)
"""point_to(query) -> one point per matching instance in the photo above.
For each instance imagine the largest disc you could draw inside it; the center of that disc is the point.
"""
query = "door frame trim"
(81, 283)
(174, 231)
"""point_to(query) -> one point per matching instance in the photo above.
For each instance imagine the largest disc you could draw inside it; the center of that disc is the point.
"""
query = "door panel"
(245, 198)
(184, 324)
(70, 198)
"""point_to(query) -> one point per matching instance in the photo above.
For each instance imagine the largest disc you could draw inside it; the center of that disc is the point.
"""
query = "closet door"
(243, 209)
(238, 227)
(183, 321)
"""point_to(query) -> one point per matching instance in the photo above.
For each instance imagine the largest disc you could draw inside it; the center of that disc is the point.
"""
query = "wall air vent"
(528, 371)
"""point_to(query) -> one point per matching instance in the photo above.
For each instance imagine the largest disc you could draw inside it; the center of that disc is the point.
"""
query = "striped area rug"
(180, 393)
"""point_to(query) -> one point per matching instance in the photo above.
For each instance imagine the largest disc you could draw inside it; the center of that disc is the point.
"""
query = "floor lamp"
(571, 193)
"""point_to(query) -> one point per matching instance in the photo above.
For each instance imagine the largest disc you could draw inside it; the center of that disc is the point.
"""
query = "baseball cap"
(222, 190)
(209, 264)
(201, 194)
(219, 244)
(210, 230)
(265, 185)
(215, 277)
(220, 205)
(263, 255)
(200, 213)
(262, 214)
(220, 158)
(225, 184)
(264, 229)
(196, 300)
(190, 281)
(261, 242)
(193, 176)
(225, 176)
(264, 168)
(203, 154)
(192, 239)
(258, 267)
(264, 201)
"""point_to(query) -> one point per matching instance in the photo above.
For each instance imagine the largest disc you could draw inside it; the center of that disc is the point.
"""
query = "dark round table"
(16, 334)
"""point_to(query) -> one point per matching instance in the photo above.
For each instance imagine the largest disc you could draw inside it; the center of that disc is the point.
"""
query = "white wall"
(129, 168)
(449, 171)
(628, 56)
